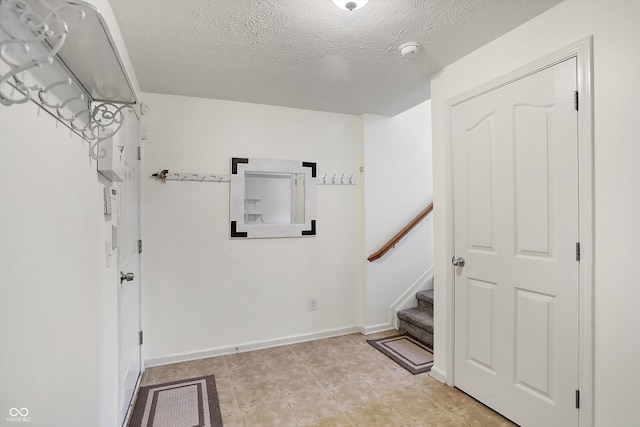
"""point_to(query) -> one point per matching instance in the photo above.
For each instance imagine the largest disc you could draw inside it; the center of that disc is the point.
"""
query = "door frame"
(582, 50)
(135, 145)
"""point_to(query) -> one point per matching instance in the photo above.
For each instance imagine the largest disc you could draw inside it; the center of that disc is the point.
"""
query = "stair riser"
(424, 336)
(425, 295)
(425, 305)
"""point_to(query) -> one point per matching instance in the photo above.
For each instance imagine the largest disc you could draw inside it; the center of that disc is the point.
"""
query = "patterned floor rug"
(187, 403)
(406, 351)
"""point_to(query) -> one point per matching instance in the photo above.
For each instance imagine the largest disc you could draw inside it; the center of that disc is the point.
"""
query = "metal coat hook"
(161, 175)
(351, 179)
(342, 179)
(324, 179)
(42, 94)
(333, 180)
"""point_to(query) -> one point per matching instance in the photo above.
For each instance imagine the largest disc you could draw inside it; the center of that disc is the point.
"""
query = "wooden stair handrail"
(395, 239)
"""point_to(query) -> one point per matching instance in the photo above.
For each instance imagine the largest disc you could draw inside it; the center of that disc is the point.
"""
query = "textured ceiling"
(308, 53)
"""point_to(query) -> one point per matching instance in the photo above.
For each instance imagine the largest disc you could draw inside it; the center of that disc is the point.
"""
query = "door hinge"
(140, 151)
(577, 399)
(141, 337)
(576, 104)
(578, 251)
(139, 246)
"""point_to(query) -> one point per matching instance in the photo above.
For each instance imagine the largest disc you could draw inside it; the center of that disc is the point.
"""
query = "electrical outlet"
(313, 304)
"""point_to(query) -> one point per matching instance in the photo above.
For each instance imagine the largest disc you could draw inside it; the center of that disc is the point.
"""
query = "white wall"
(58, 298)
(203, 292)
(398, 185)
(614, 25)
(51, 270)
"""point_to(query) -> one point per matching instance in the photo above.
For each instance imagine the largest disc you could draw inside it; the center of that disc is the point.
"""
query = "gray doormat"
(406, 351)
(187, 403)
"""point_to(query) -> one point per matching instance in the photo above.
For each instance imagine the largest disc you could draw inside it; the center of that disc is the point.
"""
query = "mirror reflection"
(271, 198)
(274, 198)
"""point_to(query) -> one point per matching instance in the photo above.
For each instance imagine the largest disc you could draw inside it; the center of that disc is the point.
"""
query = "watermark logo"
(18, 415)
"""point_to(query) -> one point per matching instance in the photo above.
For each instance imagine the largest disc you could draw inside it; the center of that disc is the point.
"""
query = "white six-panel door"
(515, 181)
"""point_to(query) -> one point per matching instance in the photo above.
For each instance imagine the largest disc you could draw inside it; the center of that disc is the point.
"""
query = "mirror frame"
(238, 228)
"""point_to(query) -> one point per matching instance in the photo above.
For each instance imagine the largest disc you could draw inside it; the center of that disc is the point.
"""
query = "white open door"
(129, 357)
(515, 183)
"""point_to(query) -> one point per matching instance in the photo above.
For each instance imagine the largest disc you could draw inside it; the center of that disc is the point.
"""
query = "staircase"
(418, 321)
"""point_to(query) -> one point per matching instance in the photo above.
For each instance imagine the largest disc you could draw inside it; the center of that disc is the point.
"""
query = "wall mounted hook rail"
(337, 179)
(164, 175)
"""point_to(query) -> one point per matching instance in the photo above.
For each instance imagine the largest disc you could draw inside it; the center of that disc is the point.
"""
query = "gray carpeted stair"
(418, 321)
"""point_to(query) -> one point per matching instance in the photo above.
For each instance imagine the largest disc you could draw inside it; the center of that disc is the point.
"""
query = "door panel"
(480, 323)
(479, 167)
(532, 178)
(533, 331)
(515, 172)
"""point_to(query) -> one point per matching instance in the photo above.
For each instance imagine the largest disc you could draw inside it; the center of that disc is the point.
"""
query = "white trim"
(408, 298)
(449, 254)
(438, 374)
(583, 52)
(134, 398)
(586, 195)
(249, 346)
(374, 329)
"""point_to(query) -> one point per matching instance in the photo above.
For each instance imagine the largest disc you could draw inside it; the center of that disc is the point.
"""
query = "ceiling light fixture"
(350, 4)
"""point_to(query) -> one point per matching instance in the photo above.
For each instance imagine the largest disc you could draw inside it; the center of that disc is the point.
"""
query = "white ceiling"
(308, 53)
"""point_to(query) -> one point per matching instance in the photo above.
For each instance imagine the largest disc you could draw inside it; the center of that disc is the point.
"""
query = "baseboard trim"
(132, 403)
(249, 346)
(438, 374)
(374, 329)
(407, 299)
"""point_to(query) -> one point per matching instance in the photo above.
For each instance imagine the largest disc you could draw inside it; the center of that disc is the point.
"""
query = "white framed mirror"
(272, 198)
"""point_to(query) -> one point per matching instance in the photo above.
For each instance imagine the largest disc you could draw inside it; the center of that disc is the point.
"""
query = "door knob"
(457, 262)
(128, 277)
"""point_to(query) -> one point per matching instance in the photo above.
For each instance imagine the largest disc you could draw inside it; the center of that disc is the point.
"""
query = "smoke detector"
(409, 48)
(350, 4)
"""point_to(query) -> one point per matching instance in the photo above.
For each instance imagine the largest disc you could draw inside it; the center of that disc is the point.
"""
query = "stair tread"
(425, 295)
(418, 317)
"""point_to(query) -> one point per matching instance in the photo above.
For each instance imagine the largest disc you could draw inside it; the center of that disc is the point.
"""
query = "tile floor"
(333, 382)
